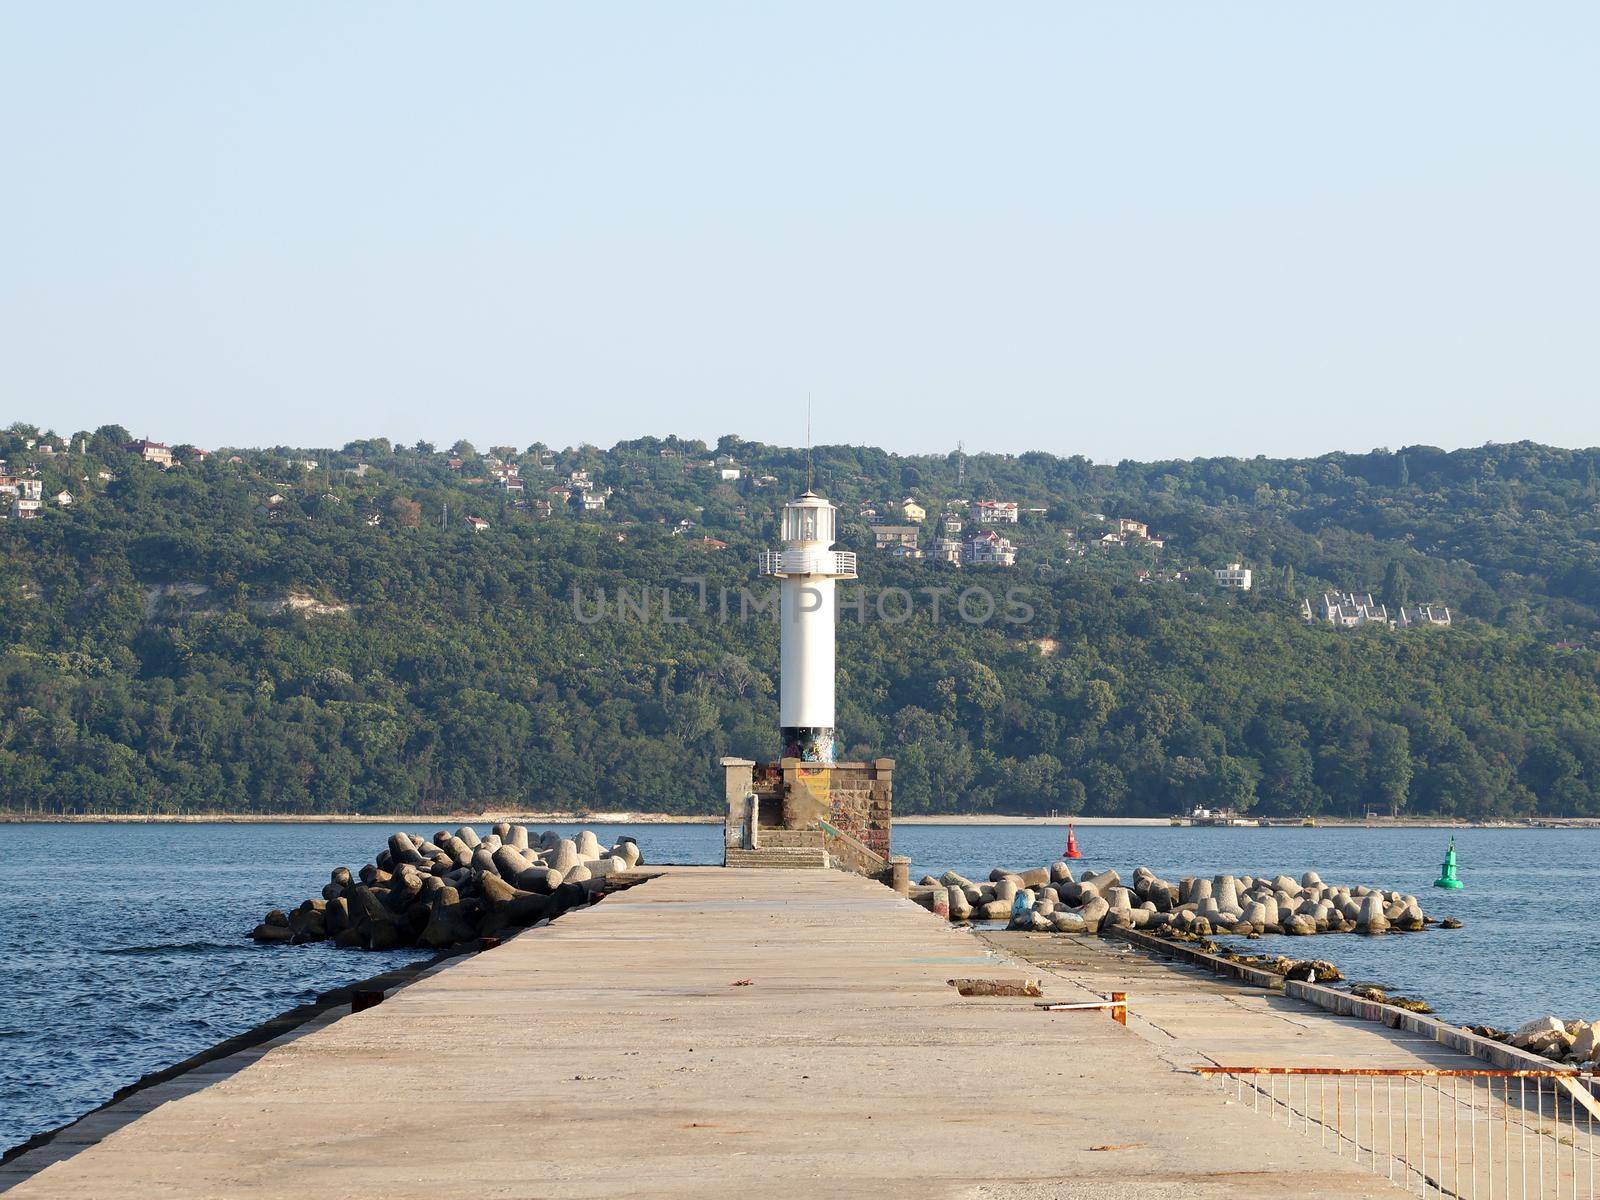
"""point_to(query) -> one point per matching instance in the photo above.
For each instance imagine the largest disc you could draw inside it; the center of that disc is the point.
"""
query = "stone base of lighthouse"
(812, 814)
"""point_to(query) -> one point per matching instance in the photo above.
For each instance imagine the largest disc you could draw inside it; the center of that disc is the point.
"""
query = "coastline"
(656, 818)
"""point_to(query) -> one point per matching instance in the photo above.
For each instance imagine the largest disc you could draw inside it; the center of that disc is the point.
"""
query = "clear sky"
(1118, 229)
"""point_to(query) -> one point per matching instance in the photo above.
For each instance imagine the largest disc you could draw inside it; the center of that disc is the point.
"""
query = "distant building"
(1423, 614)
(911, 511)
(512, 484)
(901, 550)
(953, 525)
(30, 489)
(63, 498)
(1346, 610)
(592, 501)
(477, 524)
(995, 512)
(155, 452)
(1127, 528)
(1234, 575)
(709, 543)
(886, 536)
(947, 550)
(26, 510)
(989, 549)
(729, 474)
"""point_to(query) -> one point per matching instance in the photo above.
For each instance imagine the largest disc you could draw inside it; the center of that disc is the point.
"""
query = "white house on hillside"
(1234, 575)
(990, 548)
(995, 512)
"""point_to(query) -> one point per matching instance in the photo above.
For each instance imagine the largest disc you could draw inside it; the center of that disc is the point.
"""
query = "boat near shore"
(1210, 817)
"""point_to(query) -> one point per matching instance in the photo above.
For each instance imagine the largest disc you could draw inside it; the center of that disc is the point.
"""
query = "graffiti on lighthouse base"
(808, 744)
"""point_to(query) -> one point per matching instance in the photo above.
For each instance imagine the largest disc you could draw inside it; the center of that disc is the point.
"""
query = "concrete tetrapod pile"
(1051, 898)
(454, 889)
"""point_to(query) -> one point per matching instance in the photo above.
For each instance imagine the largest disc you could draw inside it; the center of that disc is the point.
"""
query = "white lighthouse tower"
(807, 568)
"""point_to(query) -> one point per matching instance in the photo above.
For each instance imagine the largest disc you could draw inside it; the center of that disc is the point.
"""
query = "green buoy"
(1448, 879)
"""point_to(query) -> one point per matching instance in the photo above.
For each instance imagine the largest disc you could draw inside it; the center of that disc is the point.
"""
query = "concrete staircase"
(789, 849)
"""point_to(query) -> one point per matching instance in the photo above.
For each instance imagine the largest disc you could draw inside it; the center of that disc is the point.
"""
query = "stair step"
(792, 858)
(791, 839)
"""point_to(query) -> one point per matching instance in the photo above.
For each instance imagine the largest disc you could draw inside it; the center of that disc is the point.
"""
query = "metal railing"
(868, 858)
(1472, 1133)
(837, 564)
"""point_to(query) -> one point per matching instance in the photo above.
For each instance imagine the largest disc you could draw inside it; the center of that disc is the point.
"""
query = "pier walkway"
(708, 1033)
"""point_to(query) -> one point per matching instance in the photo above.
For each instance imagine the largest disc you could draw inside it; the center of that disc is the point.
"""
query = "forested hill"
(300, 630)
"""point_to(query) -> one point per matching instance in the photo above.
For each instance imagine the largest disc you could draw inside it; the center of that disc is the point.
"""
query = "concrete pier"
(621, 1052)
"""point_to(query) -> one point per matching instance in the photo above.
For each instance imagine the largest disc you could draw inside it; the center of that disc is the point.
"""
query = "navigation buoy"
(1448, 878)
(1072, 850)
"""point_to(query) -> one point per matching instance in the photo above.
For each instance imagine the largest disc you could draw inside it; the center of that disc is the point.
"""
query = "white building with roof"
(1236, 576)
(995, 512)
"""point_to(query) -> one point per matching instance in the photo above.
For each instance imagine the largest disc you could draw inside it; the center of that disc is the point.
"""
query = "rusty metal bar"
(1115, 1002)
(1408, 1072)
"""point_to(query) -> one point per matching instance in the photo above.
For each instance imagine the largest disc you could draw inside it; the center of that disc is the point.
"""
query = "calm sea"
(122, 948)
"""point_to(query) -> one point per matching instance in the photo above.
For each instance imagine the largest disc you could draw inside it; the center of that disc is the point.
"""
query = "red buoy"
(1072, 843)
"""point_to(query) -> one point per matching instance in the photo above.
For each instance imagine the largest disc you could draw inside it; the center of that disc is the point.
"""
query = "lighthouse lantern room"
(807, 568)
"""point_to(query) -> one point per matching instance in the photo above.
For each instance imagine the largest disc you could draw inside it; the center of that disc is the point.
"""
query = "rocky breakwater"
(1576, 1042)
(1053, 898)
(457, 888)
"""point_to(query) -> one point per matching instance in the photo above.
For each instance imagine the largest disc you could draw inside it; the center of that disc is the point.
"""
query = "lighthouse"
(806, 569)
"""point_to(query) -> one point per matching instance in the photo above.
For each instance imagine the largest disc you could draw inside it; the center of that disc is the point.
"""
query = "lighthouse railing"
(839, 564)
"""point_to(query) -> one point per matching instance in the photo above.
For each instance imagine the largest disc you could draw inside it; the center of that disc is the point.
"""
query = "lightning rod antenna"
(808, 441)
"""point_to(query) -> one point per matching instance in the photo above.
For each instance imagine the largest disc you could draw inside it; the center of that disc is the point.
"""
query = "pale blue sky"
(1124, 230)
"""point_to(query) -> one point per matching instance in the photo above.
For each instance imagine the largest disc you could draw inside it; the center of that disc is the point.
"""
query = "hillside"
(302, 630)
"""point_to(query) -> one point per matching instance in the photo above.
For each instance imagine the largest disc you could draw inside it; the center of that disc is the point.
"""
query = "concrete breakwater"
(455, 888)
(1051, 898)
(738, 1032)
